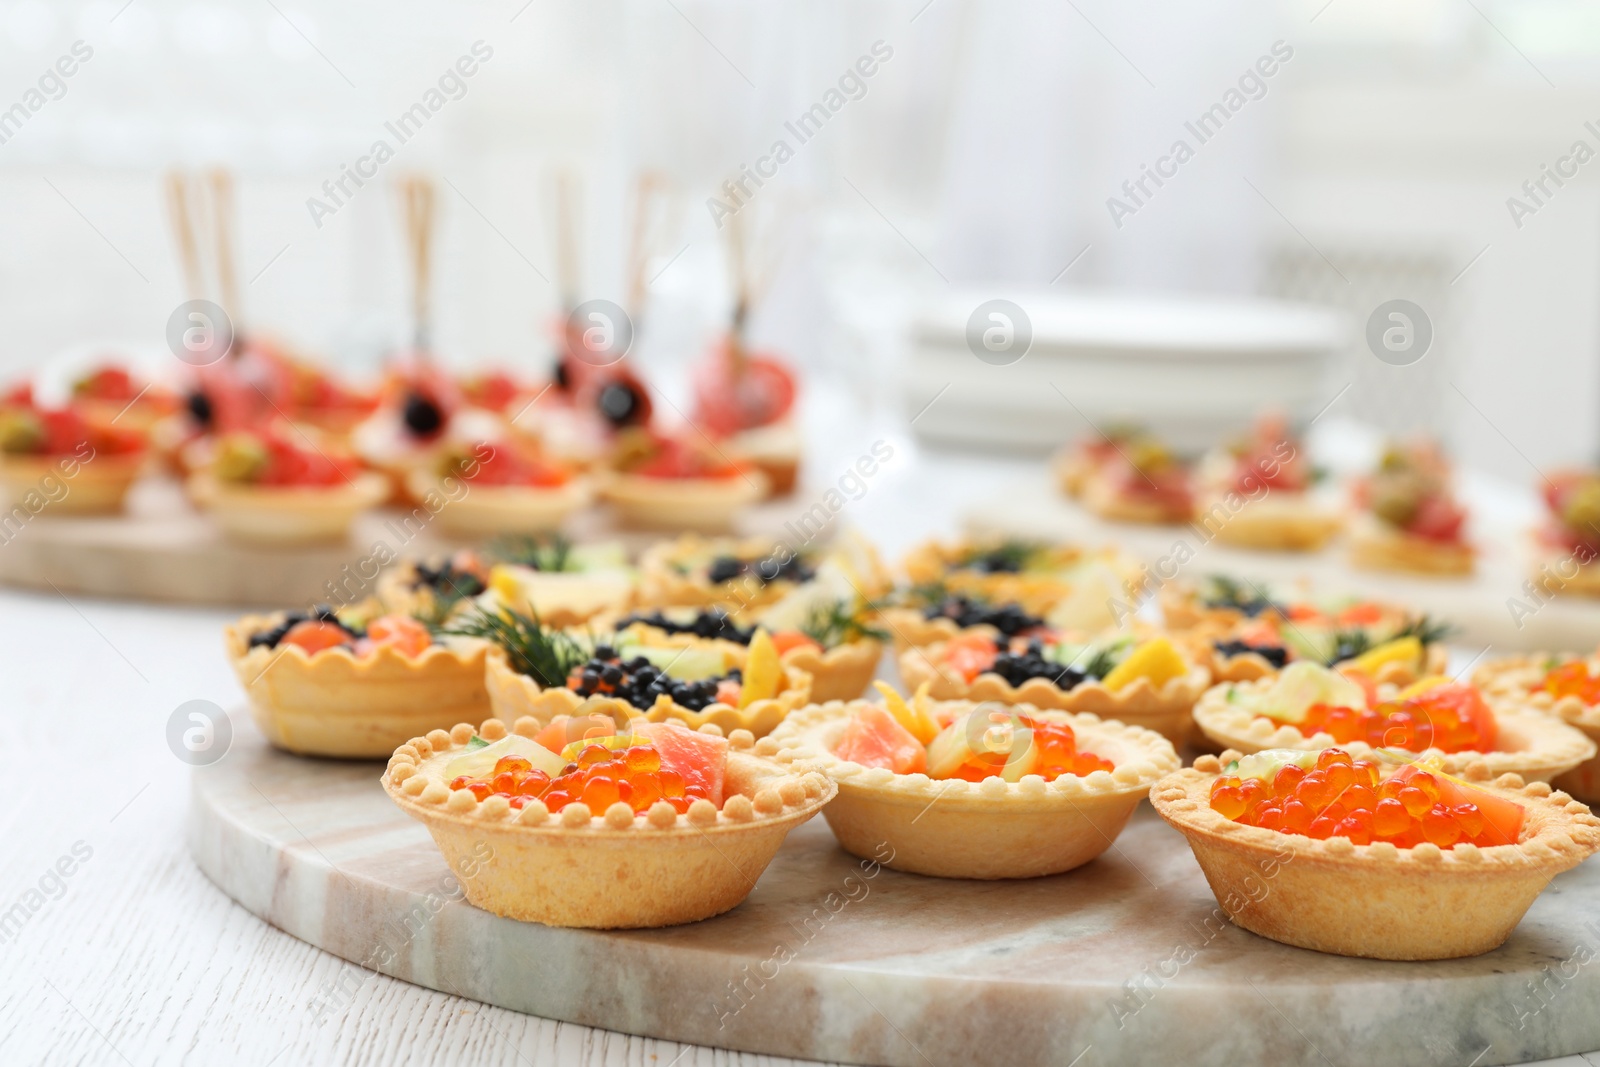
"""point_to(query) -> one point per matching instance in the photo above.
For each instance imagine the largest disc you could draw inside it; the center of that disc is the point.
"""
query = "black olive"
(200, 408)
(422, 416)
(620, 403)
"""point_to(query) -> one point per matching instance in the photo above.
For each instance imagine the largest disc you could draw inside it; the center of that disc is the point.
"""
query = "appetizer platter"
(544, 777)
(1503, 582)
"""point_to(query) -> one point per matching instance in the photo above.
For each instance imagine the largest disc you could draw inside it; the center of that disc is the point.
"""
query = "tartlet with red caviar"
(1566, 688)
(1257, 493)
(1310, 707)
(279, 486)
(967, 790)
(63, 459)
(492, 489)
(665, 483)
(1410, 518)
(651, 826)
(543, 673)
(1149, 683)
(1352, 857)
(338, 684)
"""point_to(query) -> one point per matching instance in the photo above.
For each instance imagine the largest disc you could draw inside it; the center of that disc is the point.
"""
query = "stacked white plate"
(1192, 369)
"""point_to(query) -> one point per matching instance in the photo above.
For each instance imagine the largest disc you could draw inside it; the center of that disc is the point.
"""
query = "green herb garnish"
(838, 623)
(544, 654)
(1010, 556)
(549, 553)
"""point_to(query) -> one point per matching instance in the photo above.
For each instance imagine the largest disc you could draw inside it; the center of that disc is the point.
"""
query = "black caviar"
(727, 568)
(1018, 667)
(1009, 618)
(320, 613)
(711, 622)
(639, 682)
(448, 577)
(1276, 655)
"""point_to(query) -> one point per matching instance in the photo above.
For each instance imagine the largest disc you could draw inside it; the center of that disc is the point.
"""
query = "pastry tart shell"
(604, 870)
(1537, 748)
(1101, 497)
(1165, 709)
(1585, 580)
(1377, 901)
(513, 696)
(271, 515)
(707, 504)
(1250, 666)
(1274, 523)
(98, 488)
(1518, 680)
(951, 828)
(938, 562)
(1374, 546)
(909, 628)
(662, 584)
(333, 703)
(492, 510)
(840, 673)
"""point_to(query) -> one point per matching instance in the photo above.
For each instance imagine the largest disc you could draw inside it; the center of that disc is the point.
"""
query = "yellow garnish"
(762, 670)
(1156, 660)
(917, 722)
(1432, 681)
(1400, 650)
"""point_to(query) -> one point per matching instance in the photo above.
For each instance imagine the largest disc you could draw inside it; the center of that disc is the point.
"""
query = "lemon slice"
(1400, 650)
(1156, 660)
(916, 721)
(1422, 685)
(762, 671)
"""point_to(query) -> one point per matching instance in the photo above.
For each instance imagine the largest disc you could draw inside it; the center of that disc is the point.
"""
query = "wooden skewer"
(650, 187)
(417, 200)
(567, 265)
(182, 222)
(739, 268)
(222, 218)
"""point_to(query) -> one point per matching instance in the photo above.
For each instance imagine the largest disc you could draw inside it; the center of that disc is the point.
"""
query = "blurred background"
(1375, 162)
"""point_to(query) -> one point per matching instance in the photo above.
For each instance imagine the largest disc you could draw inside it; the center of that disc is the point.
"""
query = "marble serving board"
(1480, 606)
(1126, 960)
(162, 549)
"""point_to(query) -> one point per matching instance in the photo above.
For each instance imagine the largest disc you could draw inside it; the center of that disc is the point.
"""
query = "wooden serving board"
(162, 549)
(1125, 960)
(1479, 605)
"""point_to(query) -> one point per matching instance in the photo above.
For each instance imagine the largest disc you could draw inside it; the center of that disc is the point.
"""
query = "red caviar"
(1573, 680)
(1343, 797)
(1450, 718)
(1055, 754)
(599, 777)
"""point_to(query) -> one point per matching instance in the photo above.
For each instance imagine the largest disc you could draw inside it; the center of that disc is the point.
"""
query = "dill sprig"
(446, 597)
(1008, 557)
(1348, 644)
(830, 625)
(1425, 628)
(545, 654)
(549, 553)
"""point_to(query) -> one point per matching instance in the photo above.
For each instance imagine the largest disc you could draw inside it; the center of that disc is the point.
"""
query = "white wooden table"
(135, 958)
